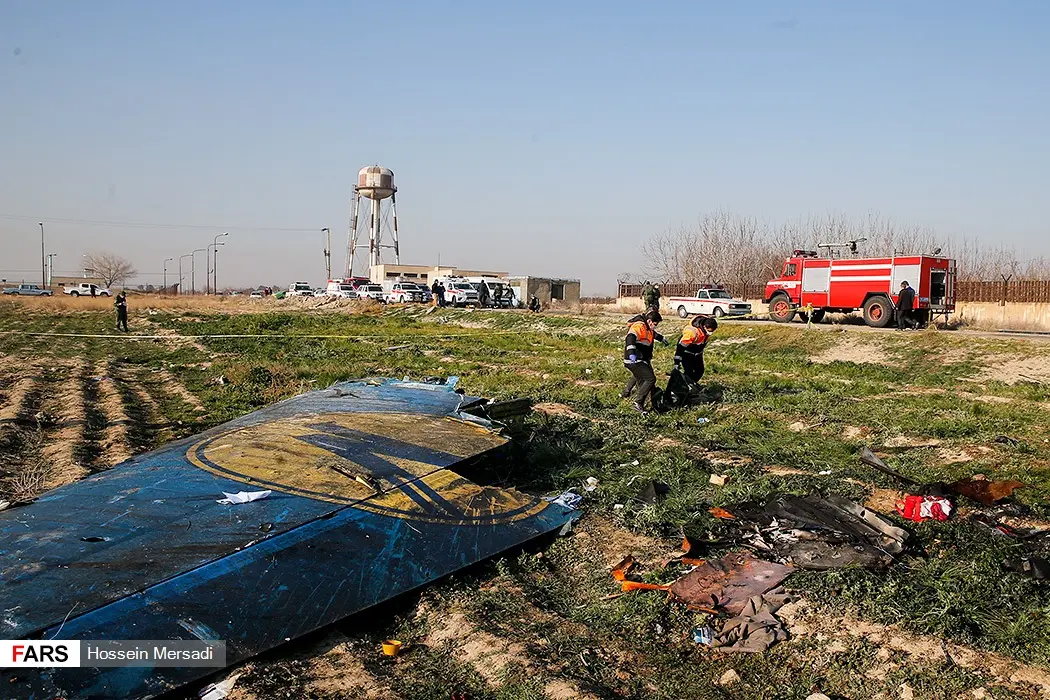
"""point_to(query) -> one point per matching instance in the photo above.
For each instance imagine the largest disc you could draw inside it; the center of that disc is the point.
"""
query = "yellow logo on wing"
(386, 463)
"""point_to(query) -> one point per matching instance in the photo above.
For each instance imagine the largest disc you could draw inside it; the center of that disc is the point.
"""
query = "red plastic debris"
(919, 508)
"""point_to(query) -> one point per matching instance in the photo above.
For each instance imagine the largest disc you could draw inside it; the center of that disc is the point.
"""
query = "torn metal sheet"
(729, 582)
(817, 532)
(364, 507)
(872, 460)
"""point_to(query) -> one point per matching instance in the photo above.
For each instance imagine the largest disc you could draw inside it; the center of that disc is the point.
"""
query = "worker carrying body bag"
(683, 387)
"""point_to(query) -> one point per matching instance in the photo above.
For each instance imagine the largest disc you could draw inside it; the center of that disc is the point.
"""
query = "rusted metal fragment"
(984, 491)
(728, 582)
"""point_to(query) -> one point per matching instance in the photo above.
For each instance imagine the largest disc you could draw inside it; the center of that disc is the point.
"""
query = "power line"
(140, 224)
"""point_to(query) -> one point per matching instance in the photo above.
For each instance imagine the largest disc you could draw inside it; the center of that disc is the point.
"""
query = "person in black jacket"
(121, 303)
(638, 357)
(905, 304)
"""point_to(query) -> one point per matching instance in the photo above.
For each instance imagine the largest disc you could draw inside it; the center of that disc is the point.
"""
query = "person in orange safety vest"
(689, 353)
(638, 357)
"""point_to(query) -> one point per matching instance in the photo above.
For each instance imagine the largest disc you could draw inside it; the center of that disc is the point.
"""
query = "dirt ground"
(855, 349)
(1010, 370)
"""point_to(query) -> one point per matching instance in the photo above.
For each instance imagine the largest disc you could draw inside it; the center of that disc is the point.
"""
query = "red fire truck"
(843, 285)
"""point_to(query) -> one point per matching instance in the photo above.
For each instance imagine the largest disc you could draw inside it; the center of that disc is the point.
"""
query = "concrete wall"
(541, 287)
(1013, 316)
(60, 281)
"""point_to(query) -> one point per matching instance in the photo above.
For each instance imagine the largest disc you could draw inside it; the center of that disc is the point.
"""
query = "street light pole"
(213, 250)
(166, 261)
(193, 269)
(328, 253)
(215, 261)
(43, 259)
(187, 255)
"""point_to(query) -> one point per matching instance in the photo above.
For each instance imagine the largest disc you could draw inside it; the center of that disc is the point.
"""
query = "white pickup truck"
(405, 292)
(300, 289)
(709, 301)
(460, 293)
(85, 289)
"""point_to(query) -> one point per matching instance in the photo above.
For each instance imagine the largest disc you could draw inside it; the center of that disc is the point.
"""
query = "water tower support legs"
(351, 238)
(375, 235)
(393, 213)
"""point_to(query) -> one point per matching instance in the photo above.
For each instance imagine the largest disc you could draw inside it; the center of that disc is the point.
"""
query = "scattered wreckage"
(781, 533)
(789, 532)
(335, 501)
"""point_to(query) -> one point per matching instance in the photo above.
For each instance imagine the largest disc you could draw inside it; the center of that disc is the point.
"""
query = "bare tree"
(112, 268)
(739, 251)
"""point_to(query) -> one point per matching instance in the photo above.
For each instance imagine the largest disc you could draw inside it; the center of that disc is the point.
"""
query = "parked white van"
(496, 287)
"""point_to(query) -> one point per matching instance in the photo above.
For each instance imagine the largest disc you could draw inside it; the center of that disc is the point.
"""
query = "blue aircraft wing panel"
(362, 507)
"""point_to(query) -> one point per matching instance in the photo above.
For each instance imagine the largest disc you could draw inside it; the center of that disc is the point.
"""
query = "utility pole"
(166, 261)
(215, 261)
(213, 250)
(193, 269)
(43, 259)
(327, 253)
(187, 255)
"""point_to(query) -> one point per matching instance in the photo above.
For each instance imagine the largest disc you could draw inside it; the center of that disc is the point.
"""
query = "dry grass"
(66, 303)
(200, 302)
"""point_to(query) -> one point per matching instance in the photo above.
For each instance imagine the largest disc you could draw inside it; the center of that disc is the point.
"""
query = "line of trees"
(740, 250)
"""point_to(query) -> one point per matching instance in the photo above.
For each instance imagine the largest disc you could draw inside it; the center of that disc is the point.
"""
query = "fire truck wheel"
(878, 312)
(682, 313)
(780, 309)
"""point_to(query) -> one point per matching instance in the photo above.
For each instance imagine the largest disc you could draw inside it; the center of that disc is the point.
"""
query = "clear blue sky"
(547, 138)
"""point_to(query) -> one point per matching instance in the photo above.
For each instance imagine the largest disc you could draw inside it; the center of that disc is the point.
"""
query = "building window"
(557, 291)
(391, 275)
(411, 274)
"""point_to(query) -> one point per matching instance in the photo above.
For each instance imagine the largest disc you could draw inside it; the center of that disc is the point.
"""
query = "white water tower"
(374, 184)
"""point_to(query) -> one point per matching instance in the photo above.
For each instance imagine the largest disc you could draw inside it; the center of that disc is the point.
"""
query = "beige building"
(553, 293)
(58, 282)
(424, 274)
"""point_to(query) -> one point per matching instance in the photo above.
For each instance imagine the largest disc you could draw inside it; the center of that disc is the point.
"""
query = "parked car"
(256, 294)
(85, 289)
(710, 300)
(300, 289)
(320, 293)
(341, 289)
(405, 292)
(371, 291)
(28, 290)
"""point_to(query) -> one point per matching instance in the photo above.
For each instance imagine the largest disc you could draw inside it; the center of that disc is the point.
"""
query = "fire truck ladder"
(851, 245)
